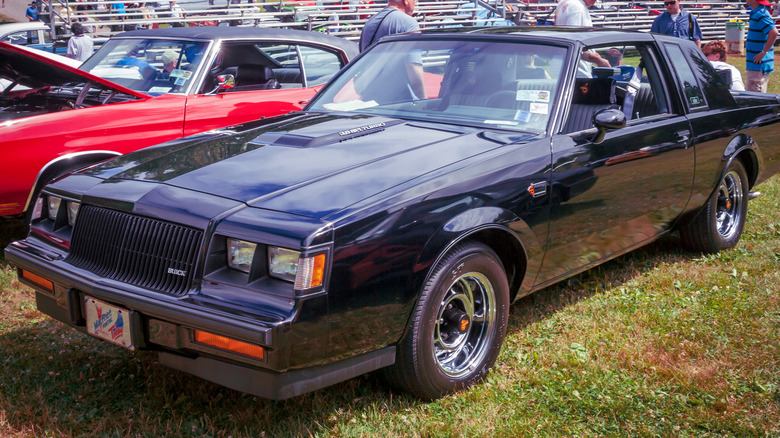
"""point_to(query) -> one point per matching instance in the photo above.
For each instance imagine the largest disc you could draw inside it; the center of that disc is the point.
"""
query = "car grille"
(144, 252)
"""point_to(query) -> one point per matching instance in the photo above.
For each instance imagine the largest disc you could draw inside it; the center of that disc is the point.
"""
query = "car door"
(298, 71)
(611, 196)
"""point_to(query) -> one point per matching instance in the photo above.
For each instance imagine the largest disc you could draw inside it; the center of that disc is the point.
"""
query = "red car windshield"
(151, 66)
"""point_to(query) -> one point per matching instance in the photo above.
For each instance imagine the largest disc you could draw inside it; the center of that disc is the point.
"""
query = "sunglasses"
(670, 3)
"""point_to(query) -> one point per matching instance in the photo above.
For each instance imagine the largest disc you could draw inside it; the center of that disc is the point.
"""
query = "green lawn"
(660, 342)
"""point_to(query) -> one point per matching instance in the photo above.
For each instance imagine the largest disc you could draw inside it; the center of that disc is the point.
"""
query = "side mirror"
(606, 120)
(224, 83)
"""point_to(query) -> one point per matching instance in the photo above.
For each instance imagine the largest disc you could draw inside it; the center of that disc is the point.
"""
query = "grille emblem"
(178, 272)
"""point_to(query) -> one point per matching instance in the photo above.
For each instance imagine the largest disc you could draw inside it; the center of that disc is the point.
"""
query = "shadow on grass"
(54, 379)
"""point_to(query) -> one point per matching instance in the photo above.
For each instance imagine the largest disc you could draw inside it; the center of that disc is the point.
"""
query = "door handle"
(684, 135)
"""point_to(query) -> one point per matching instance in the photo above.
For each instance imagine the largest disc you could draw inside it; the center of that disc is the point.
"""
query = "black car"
(435, 180)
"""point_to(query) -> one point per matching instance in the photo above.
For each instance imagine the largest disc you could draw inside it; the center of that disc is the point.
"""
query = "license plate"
(107, 322)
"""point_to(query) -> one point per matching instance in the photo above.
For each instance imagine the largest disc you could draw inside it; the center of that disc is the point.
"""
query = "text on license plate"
(107, 322)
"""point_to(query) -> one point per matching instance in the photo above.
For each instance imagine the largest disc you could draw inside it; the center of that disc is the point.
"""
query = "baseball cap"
(764, 2)
(169, 56)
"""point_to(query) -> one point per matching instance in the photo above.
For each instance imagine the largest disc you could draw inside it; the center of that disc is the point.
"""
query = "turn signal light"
(37, 279)
(311, 272)
(228, 344)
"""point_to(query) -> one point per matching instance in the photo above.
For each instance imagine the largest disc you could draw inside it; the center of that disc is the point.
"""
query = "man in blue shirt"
(677, 22)
(395, 18)
(759, 46)
(32, 12)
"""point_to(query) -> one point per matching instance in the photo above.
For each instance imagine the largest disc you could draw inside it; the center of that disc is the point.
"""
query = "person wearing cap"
(759, 45)
(677, 22)
(32, 12)
(715, 51)
(169, 59)
(80, 46)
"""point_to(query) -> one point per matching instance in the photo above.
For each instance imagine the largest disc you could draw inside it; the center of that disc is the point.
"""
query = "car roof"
(246, 33)
(6, 28)
(586, 35)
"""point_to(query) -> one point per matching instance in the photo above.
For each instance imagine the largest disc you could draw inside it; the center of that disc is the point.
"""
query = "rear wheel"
(457, 327)
(719, 224)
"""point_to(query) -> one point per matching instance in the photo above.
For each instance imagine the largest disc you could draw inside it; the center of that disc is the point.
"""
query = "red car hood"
(35, 71)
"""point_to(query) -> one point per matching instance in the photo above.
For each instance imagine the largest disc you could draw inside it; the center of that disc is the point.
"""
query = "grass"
(660, 342)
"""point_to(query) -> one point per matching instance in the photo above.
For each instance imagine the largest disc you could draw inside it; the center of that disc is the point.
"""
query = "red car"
(146, 87)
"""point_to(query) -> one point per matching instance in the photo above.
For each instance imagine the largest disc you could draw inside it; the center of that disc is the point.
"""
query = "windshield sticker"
(177, 73)
(538, 108)
(533, 95)
(180, 81)
(523, 116)
(350, 105)
(161, 90)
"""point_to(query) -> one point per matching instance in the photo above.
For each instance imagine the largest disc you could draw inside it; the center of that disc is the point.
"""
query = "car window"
(319, 65)
(503, 85)
(23, 37)
(153, 66)
(692, 92)
(631, 84)
(285, 63)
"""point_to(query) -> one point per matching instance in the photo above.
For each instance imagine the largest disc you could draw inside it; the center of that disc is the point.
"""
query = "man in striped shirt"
(760, 45)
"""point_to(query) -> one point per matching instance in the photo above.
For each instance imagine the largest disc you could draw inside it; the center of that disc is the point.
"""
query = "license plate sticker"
(107, 322)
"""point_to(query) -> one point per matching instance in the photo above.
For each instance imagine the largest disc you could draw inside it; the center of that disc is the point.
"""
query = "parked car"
(385, 229)
(58, 118)
(34, 34)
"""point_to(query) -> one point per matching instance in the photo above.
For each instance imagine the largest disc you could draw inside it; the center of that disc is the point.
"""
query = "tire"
(457, 326)
(720, 222)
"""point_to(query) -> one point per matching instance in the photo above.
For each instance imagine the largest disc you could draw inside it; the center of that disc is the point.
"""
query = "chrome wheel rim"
(729, 206)
(469, 300)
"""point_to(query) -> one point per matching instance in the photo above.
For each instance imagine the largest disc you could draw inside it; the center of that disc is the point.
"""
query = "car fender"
(743, 147)
(66, 164)
(508, 235)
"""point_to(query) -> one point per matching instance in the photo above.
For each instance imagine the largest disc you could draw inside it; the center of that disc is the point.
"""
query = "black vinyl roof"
(245, 33)
(586, 35)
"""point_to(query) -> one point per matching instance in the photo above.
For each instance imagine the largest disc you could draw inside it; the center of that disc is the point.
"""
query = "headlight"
(54, 206)
(240, 254)
(305, 272)
(283, 263)
(73, 210)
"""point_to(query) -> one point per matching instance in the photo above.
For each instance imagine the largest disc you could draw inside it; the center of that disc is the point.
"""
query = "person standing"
(677, 22)
(80, 46)
(759, 45)
(32, 12)
(396, 17)
(575, 13)
(176, 12)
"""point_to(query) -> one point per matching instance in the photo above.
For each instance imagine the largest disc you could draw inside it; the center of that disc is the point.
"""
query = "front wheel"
(457, 327)
(719, 224)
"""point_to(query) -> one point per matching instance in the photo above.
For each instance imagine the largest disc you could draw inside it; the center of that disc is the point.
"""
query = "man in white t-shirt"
(575, 13)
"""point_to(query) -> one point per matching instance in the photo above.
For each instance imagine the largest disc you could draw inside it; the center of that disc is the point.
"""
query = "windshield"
(152, 66)
(479, 83)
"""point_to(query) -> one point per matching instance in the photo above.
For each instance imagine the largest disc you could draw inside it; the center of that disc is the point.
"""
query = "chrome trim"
(56, 160)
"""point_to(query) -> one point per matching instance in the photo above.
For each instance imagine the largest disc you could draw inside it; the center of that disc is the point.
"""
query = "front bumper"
(166, 324)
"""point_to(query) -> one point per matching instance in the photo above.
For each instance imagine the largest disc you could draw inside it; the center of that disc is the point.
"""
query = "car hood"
(305, 164)
(34, 70)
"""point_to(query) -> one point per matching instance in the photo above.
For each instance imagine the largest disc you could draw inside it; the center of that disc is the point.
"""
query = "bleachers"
(346, 17)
